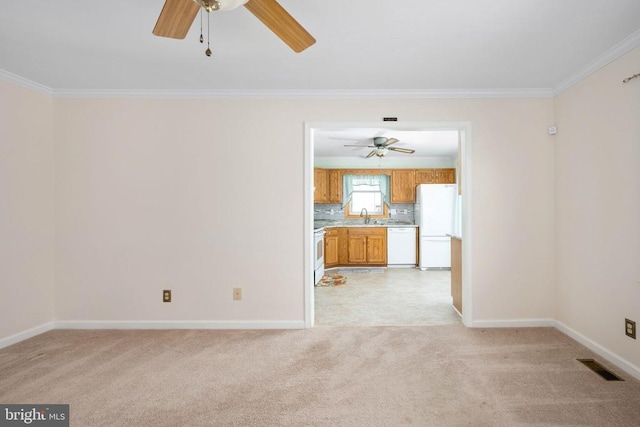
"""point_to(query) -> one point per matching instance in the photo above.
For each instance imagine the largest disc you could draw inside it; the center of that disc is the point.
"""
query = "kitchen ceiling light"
(381, 151)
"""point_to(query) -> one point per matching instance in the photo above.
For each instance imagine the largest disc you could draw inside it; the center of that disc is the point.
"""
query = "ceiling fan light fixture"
(208, 5)
(212, 5)
(231, 4)
(381, 151)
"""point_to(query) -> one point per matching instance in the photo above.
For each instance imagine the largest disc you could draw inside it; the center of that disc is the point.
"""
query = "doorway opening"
(355, 157)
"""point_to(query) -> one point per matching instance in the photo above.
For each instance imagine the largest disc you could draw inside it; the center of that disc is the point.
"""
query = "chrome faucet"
(367, 218)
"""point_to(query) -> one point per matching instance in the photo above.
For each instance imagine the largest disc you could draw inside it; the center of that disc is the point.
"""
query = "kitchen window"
(370, 192)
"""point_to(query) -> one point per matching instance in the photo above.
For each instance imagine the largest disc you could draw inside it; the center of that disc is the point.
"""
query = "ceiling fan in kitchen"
(382, 145)
(177, 16)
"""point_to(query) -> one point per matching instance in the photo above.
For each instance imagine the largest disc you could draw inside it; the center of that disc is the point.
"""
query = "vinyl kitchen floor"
(393, 297)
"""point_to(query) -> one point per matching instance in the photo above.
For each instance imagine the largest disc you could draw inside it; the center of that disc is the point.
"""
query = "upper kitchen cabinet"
(320, 184)
(425, 176)
(328, 185)
(435, 176)
(334, 181)
(445, 176)
(403, 186)
(328, 182)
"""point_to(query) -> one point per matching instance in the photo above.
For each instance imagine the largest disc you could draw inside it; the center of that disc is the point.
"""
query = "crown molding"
(280, 94)
(606, 58)
(26, 83)
(307, 94)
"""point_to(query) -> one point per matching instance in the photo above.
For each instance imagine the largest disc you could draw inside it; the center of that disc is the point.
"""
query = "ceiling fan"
(382, 145)
(177, 16)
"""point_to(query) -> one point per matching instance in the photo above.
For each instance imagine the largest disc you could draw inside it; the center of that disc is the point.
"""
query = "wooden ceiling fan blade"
(176, 18)
(371, 154)
(401, 150)
(281, 23)
(391, 141)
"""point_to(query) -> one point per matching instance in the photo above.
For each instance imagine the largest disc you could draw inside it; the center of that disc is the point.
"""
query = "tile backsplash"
(335, 211)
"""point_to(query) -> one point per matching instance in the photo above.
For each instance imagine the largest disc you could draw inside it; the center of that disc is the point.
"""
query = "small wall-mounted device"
(389, 119)
(630, 328)
(553, 130)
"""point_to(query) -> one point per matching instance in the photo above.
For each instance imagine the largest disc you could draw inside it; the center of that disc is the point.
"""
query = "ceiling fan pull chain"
(208, 51)
(201, 38)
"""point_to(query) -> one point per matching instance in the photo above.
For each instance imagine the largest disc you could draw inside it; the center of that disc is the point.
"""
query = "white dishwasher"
(401, 246)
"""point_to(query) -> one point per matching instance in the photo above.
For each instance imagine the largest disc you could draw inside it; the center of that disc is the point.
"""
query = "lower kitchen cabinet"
(357, 249)
(367, 246)
(331, 247)
(344, 246)
(377, 249)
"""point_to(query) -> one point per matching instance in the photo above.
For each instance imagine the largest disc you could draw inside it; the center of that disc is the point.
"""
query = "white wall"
(199, 196)
(26, 210)
(155, 194)
(598, 206)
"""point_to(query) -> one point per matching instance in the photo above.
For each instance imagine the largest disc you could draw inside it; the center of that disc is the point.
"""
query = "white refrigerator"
(434, 214)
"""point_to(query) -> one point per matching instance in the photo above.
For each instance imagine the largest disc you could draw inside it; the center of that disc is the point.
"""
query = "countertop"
(360, 223)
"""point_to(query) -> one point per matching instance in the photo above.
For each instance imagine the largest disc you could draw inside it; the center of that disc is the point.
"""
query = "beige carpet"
(387, 297)
(352, 376)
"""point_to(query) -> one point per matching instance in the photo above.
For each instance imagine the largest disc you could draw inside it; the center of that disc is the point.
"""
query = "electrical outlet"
(630, 328)
(166, 295)
(237, 294)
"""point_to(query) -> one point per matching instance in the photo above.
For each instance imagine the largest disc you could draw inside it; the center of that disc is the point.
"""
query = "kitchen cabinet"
(331, 247)
(334, 183)
(328, 185)
(343, 248)
(445, 176)
(357, 249)
(367, 246)
(435, 176)
(403, 186)
(425, 176)
(320, 184)
(459, 167)
(328, 182)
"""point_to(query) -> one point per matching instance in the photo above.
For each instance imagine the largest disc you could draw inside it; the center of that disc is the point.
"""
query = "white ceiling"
(362, 45)
(370, 47)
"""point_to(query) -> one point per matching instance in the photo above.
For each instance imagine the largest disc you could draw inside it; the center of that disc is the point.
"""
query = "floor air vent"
(600, 370)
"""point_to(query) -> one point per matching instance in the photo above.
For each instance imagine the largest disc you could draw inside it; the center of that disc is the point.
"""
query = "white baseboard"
(611, 357)
(178, 324)
(148, 324)
(513, 323)
(24, 335)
